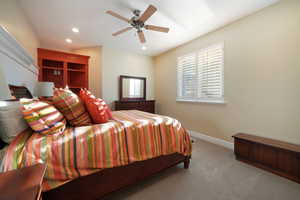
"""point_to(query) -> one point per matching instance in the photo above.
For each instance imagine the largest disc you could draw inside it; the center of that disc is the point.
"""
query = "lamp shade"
(44, 89)
(4, 89)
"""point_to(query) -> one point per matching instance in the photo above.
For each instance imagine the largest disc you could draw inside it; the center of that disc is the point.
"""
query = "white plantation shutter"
(187, 79)
(200, 76)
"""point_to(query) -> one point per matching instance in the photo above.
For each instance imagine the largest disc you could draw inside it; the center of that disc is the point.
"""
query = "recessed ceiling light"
(75, 30)
(68, 40)
(144, 48)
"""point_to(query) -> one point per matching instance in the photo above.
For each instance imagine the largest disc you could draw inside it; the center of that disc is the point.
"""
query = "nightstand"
(22, 184)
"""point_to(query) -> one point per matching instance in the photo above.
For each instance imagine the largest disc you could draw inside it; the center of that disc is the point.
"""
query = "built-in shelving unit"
(64, 69)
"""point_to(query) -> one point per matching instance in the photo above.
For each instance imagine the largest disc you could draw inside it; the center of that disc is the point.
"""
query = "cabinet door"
(289, 162)
(243, 148)
(129, 106)
(265, 155)
(150, 107)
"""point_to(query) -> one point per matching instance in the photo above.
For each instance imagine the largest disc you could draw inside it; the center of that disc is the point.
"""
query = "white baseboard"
(210, 139)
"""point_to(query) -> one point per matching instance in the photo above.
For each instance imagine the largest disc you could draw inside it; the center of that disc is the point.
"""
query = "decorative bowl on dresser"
(132, 95)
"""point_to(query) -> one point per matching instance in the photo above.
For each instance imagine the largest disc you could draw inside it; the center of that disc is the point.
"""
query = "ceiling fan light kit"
(138, 22)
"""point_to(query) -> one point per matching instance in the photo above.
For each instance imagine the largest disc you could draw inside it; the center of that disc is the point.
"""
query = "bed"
(20, 69)
(137, 145)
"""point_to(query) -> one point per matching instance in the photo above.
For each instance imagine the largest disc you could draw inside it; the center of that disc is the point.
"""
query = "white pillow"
(11, 120)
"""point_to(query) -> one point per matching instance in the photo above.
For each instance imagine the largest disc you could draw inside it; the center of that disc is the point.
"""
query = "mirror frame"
(121, 98)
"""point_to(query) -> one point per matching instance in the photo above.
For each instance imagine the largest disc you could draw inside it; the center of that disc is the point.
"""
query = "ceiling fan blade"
(141, 36)
(157, 28)
(148, 13)
(122, 31)
(112, 13)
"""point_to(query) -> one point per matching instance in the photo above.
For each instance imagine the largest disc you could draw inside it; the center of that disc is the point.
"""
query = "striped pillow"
(42, 117)
(70, 105)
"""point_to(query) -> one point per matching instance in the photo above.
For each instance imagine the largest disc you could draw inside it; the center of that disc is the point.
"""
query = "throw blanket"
(132, 136)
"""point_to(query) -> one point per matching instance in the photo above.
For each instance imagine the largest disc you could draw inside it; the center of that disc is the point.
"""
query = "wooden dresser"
(143, 105)
(275, 156)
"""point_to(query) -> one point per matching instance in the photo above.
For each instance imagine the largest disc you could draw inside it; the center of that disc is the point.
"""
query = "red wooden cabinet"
(64, 69)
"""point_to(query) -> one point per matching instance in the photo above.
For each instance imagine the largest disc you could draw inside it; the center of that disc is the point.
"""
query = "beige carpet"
(214, 174)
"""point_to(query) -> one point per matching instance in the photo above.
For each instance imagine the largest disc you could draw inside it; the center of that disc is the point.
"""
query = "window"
(200, 76)
(135, 88)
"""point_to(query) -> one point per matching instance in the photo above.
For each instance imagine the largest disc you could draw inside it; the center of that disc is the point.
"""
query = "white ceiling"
(187, 19)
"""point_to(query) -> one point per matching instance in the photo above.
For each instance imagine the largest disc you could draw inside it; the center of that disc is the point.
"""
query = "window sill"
(221, 101)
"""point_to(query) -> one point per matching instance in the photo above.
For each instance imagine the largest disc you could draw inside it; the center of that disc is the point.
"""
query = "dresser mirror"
(132, 88)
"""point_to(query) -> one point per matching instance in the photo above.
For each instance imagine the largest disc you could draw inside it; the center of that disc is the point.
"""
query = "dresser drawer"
(146, 106)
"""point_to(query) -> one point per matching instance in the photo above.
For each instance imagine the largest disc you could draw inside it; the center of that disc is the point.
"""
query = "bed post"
(187, 162)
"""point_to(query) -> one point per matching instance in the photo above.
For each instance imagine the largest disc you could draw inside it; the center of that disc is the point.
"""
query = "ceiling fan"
(138, 22)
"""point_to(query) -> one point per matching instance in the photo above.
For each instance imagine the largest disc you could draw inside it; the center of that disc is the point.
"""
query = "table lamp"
(44, 89)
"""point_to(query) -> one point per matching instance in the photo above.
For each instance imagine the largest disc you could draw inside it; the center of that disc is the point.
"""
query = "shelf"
(76, 70)
(52, 75)
(52, 63)
(75, 87)
(54, 68)
(76, 66)
(76, 79)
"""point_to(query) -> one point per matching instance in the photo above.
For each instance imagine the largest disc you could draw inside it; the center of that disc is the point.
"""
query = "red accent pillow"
(83, 93)
(97, 108)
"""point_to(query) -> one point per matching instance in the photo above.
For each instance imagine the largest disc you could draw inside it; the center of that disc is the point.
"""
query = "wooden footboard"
(97, 185)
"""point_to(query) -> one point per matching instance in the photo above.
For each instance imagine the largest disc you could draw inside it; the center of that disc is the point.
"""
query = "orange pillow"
(83, 93)
(97, 108)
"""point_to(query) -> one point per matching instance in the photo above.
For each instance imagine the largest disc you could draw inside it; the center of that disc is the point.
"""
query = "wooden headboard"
(20, 92)
(2, 144)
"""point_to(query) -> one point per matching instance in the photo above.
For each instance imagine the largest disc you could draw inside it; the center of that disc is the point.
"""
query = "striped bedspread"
(132, 136)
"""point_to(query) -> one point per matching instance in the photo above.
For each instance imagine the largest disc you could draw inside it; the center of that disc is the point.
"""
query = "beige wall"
(95, 68)
(262, 70)
(116, 63)
(13, 19)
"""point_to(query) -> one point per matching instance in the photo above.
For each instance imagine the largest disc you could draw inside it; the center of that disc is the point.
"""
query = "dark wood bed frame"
(97, 185)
